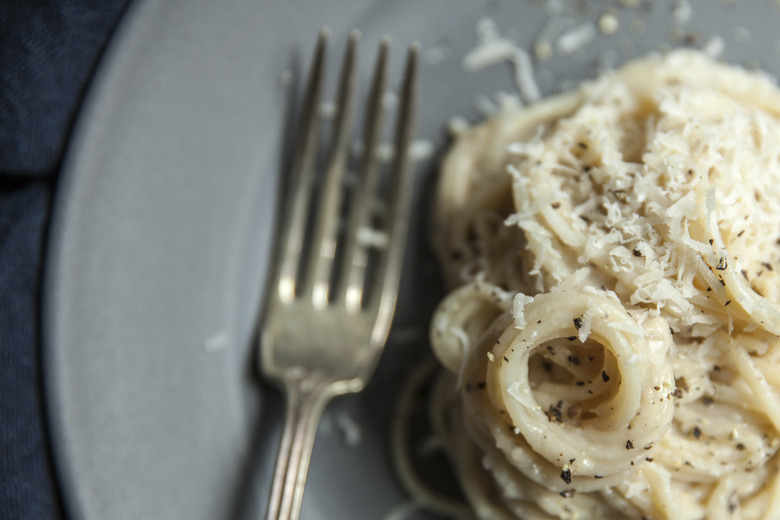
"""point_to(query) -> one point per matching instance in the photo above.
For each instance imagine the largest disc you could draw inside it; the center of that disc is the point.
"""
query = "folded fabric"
(48, 52)
(26, 484)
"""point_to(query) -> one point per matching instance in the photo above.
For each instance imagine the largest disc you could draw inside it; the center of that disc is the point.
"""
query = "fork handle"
(306, 401)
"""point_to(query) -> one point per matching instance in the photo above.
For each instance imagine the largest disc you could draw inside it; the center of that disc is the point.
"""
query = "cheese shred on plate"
(611, 339)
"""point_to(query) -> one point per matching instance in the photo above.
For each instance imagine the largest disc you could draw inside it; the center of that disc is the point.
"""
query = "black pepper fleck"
(566, 476)
(554, 413)
(604, 376)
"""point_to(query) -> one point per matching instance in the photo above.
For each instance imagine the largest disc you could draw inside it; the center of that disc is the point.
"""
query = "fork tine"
(359, 214)
(301, 179)
(396, 220)
(318, 266)
(335, 349)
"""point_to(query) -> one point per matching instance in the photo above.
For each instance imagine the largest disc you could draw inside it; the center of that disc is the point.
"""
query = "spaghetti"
(610, 339)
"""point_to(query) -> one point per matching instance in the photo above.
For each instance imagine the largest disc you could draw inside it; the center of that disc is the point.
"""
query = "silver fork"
(331, 304)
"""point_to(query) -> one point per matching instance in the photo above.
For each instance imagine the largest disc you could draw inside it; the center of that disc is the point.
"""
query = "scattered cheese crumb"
(349, 429)
(385, 152)
(714, 47)
(609, 23)
(494, 49)
(518, 309)
(217, 342)
(369, 237)
(328, 110)
(552, 28)
(576, 38)
(389, 100)
(681, 12)
(543, 51)
(421, 150)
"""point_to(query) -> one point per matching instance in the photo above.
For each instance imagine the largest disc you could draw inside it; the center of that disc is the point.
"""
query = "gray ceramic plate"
(165, 216)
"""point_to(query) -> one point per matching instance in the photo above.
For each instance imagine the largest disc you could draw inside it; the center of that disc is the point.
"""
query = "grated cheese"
(370, 237)
(421, 150)
(493, 49)
(682, 12)
(518, 309)
(608, 23)
(576, 38)
(348, 427)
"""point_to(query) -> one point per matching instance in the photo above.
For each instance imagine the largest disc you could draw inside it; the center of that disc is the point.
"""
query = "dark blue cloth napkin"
(48, 52)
